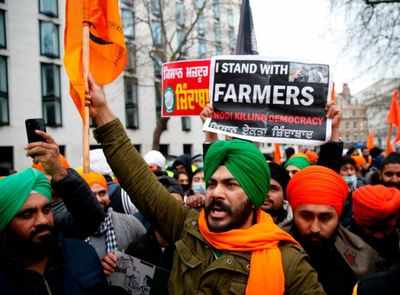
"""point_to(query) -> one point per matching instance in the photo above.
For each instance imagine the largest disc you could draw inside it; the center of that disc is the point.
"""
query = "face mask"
(351, 180)
(199, 187)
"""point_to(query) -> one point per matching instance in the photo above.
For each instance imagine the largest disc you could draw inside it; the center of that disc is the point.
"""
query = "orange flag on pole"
(393, 117)
(277, 153)
(108, 55)
(370, 140)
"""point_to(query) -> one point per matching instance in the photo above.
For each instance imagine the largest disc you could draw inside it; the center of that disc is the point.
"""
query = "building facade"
(353, 126)
(33, 82)
(376, 98)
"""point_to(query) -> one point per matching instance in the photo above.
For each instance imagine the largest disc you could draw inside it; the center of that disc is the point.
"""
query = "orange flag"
(277, 153)
(393, 116)
(108, 54)
(371, 140)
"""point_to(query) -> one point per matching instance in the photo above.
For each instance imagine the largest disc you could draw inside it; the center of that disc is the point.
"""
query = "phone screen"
(32, 125)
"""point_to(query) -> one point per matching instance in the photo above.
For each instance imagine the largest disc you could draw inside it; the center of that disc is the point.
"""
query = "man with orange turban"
(376, 211)
(117, 231)
(317, 195)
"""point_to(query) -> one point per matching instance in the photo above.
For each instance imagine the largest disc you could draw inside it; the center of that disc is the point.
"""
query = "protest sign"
(137, 276)
(185, 87)
(268, 100)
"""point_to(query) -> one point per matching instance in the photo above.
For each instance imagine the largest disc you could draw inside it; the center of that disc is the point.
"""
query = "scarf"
(262, 239)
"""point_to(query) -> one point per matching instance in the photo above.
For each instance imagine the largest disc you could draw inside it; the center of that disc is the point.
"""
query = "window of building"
(6, 160)
(3, 38)
(232, 39)
(156, 33)
(128, 19)
(131, 103)
(347, 124)
(49, 39)
(48, 7)
(202, 49)
(157, 89)
(164, 149)
(51, 94)
(157, 63)
(180, 13)
(4, 110)
(199, 3)
(131, 66)
(186, 123)
(155, 7)
(201, 26)
(217, 32)
(231, 21)
(354, 124)
(216, 10)
(218, 48)
(187, 149)
(129, 3)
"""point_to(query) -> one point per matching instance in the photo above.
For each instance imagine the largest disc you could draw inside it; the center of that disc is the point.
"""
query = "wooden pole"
(85, 64)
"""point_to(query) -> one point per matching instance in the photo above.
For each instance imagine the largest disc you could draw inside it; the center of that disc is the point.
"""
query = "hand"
(206, 113)
(96, 100)
(109, 263)
(195, 201)
(47, 153)
(333, 112)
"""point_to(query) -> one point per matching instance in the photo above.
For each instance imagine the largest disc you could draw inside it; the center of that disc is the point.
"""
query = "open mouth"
(218, 212)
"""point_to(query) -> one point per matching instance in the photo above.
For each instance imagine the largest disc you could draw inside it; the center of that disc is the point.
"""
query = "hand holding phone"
(32, 125)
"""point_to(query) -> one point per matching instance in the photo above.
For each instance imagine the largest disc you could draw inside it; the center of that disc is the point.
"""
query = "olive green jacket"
(196, 267)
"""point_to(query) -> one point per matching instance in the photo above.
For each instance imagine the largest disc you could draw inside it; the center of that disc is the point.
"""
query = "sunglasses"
(391, 174)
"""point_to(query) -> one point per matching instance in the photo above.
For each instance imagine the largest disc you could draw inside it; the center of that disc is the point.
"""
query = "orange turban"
(374, 203)
(312, 156)
(317, 185)
(360, 161)
(61, 160)
(95, 178)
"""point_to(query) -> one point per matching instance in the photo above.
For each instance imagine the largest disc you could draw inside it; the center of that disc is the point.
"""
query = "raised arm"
(148, 195)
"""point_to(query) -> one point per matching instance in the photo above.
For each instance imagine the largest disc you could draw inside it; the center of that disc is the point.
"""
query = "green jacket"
(196, 267)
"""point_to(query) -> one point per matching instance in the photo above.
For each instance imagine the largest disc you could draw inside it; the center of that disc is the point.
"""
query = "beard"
(21, 251)
(238, 216)
(314, 243)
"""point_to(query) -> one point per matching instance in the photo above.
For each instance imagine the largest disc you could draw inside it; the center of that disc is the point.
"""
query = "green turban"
(245, 162)
(299, 162)
(15, 190)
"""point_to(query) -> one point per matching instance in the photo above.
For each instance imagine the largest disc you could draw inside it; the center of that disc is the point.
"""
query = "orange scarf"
(262, 239)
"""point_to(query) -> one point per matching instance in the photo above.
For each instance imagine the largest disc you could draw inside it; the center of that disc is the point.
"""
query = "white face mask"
(351, 180)
(199, 187)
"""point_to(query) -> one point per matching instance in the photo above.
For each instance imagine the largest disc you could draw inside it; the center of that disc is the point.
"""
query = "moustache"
(217, 204)
(40, 229)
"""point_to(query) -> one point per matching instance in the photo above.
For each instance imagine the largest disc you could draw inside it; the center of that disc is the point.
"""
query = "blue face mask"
(351, 180)
(199, 188)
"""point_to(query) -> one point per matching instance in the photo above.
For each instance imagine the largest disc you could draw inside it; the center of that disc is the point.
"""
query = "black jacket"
(78, 214)
(73, 269)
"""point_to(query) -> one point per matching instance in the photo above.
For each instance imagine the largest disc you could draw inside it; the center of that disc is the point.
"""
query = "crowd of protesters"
(317, 223)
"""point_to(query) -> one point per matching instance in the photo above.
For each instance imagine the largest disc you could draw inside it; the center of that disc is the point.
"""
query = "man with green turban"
(229, 247)
(16, 189)
(296, 163)
(34, 258)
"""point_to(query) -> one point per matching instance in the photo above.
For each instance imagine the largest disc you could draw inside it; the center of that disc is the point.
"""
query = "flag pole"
(85, 65)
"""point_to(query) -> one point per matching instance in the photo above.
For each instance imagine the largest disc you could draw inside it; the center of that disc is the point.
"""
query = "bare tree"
(373, 31)
(173, 32)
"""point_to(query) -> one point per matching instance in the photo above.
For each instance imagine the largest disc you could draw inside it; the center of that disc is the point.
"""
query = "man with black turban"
(230, 247)
(34, 259)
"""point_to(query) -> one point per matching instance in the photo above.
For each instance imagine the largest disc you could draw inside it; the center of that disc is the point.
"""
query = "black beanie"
(279, 174)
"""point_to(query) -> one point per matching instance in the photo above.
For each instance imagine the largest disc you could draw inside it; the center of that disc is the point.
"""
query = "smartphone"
(32, 125)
